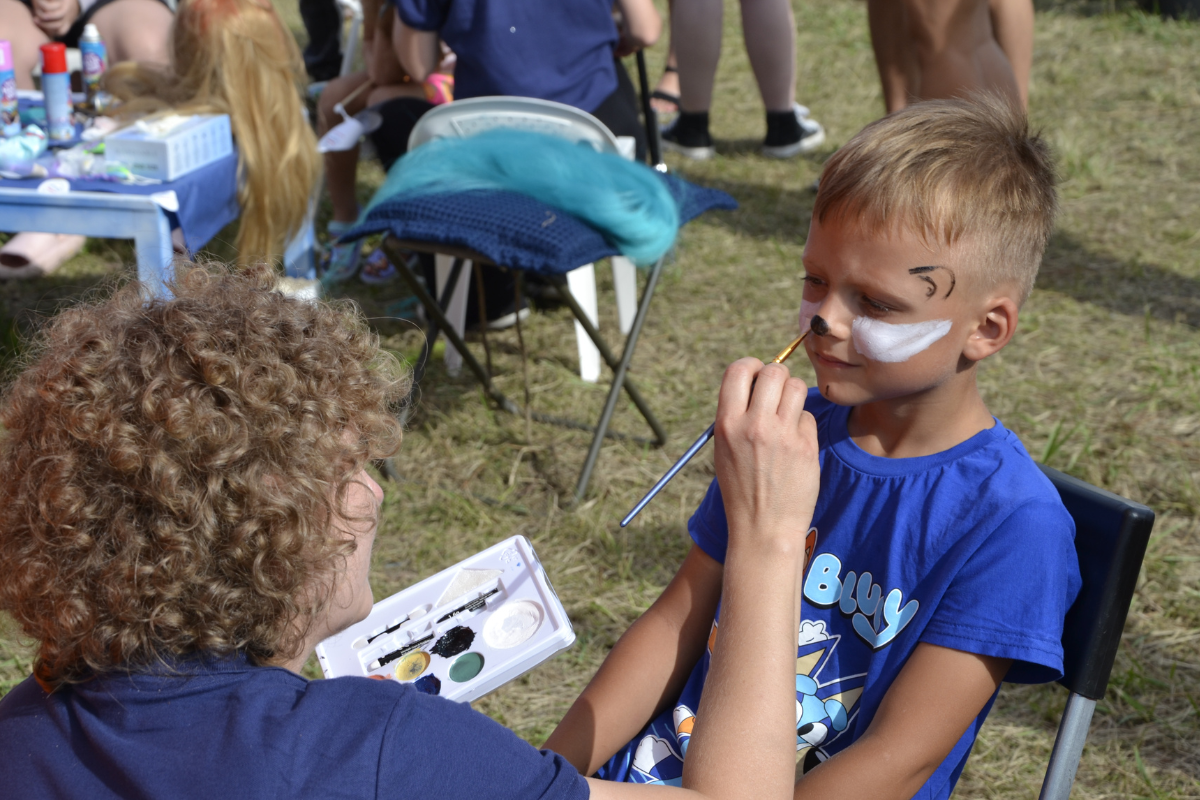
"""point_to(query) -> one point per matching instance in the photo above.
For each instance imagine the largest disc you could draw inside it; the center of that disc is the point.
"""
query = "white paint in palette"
(893, 343)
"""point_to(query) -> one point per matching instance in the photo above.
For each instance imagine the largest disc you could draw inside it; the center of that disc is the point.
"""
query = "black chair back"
(1111, 534)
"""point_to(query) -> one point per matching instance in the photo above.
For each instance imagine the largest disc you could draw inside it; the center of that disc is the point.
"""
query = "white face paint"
(807, 312)
(890, 343)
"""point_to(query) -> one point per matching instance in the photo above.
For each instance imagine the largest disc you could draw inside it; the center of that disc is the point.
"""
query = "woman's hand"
(55, 17)
(766, 457)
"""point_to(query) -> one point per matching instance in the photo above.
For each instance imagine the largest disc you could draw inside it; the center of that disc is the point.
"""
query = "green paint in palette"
(466, 667)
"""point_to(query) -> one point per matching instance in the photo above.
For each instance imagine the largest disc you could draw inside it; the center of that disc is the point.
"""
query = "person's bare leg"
(668, 84)
(135, 30)
(341, 168)
(956, 51)
(1012, 24)
(770, 33)
(16, 24)
(696, 33)
(895, 54)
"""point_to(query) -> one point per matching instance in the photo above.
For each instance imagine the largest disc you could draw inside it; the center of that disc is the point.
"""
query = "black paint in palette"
(455, 641)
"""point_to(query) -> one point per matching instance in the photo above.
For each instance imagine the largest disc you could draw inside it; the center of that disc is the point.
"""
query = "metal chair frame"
(435, 310)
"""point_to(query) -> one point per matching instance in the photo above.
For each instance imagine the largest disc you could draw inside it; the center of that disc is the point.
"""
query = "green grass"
(1101, 381)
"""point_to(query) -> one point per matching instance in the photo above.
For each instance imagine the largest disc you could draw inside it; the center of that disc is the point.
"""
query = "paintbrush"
(698, 445)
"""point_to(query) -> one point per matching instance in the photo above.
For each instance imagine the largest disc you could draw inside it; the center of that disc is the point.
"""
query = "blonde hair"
(235, 57)
(951, 170)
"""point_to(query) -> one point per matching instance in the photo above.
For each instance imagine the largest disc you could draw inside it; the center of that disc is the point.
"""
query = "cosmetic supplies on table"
(462, 632)
(95, 61)
(10, 118)
(169, 146)
(56, 86)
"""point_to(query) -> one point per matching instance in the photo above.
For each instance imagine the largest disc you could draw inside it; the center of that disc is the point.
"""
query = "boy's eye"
(811, 281)
(875, 305)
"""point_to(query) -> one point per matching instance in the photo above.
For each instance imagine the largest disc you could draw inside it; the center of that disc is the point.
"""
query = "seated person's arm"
(642, 24)
(383, 64)
(417, 51)
(937, 694)
(646, 668)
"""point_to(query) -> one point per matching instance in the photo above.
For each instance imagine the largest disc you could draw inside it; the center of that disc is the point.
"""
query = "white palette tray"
(462, 632)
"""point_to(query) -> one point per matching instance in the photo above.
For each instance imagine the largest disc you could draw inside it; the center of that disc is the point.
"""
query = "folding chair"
(467, 117)
(1111, 534)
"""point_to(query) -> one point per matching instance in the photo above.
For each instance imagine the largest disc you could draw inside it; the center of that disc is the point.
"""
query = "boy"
(942, 560)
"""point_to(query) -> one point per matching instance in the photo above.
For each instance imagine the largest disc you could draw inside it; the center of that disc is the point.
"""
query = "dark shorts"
(71, 38)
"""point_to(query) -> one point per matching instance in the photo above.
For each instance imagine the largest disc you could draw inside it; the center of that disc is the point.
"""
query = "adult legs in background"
(16, 22)
(135, 30)
(895, 56)
(665, 98)
(1012, 25)
(323, 54)
(770, 37)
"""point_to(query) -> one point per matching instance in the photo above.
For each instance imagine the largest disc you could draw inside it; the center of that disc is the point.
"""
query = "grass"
(1102, 380)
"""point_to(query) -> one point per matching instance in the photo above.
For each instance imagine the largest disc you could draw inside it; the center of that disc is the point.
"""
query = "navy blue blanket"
(515, 230)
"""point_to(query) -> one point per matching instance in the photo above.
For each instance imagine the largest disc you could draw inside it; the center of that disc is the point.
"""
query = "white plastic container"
(462, 632)
(169, 147)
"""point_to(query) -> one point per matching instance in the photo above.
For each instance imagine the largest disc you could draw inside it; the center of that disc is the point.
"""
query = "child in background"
(943, 561)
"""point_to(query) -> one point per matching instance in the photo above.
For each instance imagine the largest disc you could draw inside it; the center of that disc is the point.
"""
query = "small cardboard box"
(169, 147)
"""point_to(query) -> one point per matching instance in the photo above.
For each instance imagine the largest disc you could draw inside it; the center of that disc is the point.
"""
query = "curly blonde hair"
(172, 467)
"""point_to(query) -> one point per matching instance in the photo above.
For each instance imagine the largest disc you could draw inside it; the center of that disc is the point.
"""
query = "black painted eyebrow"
(921, 272)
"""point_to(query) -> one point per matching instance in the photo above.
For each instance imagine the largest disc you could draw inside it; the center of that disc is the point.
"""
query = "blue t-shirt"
(232, 730)
(969, 549)
(559, 50)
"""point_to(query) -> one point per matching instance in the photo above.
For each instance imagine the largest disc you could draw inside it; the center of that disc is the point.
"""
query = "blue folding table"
(200, 203)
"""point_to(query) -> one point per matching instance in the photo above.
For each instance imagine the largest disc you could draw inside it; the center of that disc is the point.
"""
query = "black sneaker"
(790, 133)
(688, 135)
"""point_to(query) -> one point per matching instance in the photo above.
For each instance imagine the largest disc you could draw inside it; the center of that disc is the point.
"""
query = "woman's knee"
(16, 22)
(135, 30)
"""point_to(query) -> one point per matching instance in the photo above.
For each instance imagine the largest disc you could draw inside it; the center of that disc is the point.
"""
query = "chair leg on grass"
(439, 323)
(1068, 748)
(619, 382)
(660, 435)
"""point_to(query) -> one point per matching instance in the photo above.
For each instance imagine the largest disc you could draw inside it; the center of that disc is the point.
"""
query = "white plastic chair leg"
(625, 286)
(457, 311)
(582, 283)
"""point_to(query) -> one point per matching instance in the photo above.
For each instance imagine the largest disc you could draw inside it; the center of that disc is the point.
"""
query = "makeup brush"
(817, 324)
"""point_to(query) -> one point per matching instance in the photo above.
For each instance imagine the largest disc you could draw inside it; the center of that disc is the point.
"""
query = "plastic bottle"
(56, 86)
(10, 118)
(95, 61)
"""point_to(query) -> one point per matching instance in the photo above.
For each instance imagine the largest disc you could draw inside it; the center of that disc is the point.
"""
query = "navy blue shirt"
(232, 730)
(970, 549)
(559, 50)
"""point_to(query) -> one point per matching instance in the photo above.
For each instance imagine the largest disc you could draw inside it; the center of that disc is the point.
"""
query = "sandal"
(343, 256)
(378, 269)
(666, 97)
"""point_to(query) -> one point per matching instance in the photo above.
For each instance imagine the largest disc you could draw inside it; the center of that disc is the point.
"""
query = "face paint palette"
(462, 632)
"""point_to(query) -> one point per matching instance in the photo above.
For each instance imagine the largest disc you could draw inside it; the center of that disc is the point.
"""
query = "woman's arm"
(744, 741)
(937, 694)
(641, 24)
(417, 51)
(646, 669)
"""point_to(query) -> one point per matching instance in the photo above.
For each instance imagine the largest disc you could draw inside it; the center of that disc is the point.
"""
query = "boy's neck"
(921, 424)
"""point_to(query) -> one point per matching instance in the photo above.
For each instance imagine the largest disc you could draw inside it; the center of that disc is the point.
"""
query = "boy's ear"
(994, 328)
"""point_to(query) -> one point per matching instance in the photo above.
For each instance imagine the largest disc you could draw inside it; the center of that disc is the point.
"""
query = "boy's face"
(899, 312)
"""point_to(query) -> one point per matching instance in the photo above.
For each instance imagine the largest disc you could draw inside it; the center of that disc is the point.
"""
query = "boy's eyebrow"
(921, 272)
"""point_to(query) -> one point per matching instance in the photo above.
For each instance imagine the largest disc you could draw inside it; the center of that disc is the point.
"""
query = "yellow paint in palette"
(412, 665)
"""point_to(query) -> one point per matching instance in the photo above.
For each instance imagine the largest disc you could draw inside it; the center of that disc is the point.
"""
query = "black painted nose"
(819, 326)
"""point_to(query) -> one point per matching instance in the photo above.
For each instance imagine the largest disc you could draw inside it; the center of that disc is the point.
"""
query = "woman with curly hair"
(186, 514)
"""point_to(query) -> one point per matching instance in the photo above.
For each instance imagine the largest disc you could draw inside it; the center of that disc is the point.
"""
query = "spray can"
(56, 86)
(95, 61)
(10, 117)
